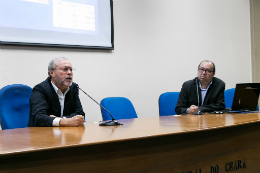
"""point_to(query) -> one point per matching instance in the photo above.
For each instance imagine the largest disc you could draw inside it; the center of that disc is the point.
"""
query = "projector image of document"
(38, 1)
(76, 23)
(72, 16)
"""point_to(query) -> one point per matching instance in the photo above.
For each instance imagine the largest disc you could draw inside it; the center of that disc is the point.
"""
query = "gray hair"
(53, 64)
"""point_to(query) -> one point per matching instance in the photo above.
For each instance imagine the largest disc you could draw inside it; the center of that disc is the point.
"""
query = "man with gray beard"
(55, 101)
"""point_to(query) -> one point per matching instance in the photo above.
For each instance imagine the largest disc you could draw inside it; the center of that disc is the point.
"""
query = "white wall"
(158, 46)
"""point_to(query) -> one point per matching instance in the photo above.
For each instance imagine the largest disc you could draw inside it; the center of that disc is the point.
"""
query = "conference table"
(212, 143)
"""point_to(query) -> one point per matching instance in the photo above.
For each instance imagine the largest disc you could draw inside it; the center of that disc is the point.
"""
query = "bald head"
(213, 68)
(206, 72)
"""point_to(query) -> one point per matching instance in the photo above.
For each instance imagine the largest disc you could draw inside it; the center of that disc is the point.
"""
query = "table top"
(32, 139)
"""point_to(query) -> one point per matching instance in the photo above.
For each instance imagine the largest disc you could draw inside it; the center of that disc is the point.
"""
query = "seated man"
(55, 101)
(204, 93)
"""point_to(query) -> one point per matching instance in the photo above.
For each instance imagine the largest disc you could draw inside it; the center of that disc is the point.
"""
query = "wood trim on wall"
(255, 39)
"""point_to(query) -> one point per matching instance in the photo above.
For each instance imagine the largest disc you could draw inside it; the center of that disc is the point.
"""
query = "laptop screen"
(246, 96)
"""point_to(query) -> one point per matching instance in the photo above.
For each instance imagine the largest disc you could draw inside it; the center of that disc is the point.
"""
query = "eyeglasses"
(66, 69)
(201, 70)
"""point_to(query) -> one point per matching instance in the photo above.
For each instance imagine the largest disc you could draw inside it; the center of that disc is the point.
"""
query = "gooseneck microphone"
(108, 123)
(198, 92)
(198, 112)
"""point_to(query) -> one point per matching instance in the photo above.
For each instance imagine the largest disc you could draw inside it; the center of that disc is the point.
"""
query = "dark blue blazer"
(44, 101)
(214, 99)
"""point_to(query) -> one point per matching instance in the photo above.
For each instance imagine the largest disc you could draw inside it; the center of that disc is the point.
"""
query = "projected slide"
(61, 23)
(72, 16)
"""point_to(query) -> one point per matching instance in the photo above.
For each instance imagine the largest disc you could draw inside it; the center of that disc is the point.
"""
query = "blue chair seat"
(167, 103)
(119, 107)
(15, 106)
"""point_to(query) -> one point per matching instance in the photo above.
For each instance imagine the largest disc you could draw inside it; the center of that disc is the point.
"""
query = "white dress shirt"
(61, 96)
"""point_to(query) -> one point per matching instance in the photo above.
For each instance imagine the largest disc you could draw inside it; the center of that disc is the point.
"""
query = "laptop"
(246, 97)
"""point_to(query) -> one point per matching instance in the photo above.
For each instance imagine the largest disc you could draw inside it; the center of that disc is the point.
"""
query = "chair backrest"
(15, 106)
(119, 107)
(167, 103)
(229, 96)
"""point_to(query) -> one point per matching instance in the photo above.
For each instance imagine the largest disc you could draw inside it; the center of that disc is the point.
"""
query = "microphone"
(108, 123)
(198, 112)
(198, 92)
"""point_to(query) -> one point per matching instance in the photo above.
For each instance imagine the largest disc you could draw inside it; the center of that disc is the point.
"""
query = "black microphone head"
(77, 85)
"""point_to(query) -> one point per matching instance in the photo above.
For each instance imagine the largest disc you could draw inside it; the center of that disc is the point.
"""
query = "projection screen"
(60, 23)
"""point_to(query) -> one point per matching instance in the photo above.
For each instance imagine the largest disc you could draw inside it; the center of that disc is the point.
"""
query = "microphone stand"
(198, 112)
(113, 122)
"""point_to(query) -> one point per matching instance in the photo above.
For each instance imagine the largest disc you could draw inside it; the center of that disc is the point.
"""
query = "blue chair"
(167, 103)
(119, 107)
(229, 95)
(15, 106)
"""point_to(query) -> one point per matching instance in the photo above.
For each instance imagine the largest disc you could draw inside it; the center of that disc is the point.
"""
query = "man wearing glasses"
(204, 93)
(55, 101)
